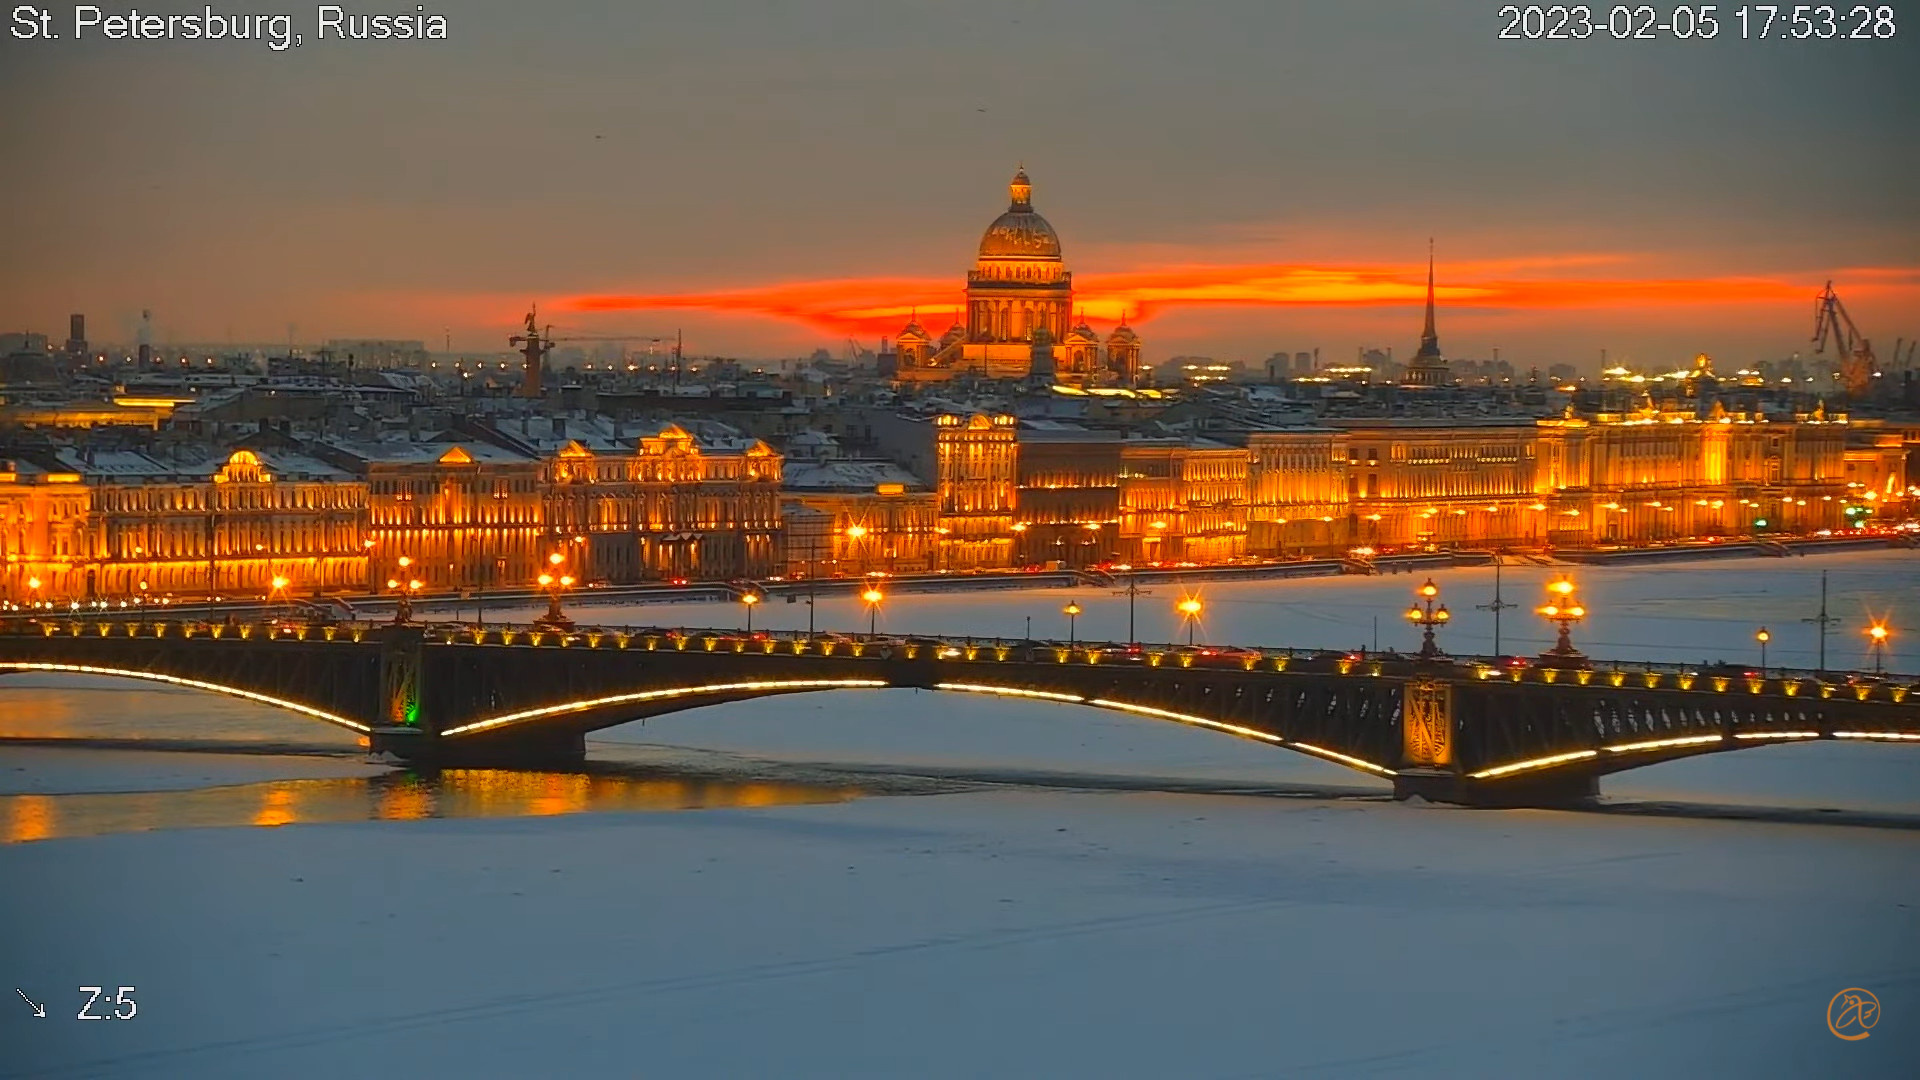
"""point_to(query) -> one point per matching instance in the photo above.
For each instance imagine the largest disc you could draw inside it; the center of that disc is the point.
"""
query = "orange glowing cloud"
(881, 305)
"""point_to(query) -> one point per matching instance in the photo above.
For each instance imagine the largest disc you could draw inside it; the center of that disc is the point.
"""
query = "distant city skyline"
(1248, 178)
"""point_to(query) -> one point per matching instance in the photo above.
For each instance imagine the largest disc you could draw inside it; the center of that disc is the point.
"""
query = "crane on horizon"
(1857, 364)
(536, 341)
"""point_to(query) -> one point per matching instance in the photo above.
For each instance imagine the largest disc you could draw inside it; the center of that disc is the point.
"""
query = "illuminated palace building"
(482, 509)
(1020, 320)
(130, 525)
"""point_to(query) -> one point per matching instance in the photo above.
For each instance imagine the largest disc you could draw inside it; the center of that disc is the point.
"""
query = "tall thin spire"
(1429, 331)
(1429, 337)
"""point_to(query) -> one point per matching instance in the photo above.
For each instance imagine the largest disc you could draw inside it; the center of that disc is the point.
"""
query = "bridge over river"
(1473, 730)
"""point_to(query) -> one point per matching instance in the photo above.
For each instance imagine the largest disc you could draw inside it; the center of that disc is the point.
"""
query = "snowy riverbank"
(965, 935)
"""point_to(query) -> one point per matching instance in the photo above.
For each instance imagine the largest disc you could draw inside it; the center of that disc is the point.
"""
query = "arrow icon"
(38, 1010)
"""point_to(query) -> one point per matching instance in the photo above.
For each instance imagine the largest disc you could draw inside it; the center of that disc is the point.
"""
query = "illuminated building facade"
(121, 525)
(1020, 320)
(1182, 501)
(44, 518)
(1446, 483)
(862, 516)
(1658, 475)
(1296, 491)
(975, 468)
(467, 515)
(663, 505)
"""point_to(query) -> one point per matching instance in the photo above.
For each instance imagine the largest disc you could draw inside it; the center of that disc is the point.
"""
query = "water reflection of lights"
(454, 793)
(29, 817)
(276, 808)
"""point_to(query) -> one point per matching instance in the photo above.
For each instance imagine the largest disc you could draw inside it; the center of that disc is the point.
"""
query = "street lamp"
(33, 592)
(279, 583)
(1189, 609)
(748, 599)
(405, 586)
(1073, 616)
(1763, 637)
(1877, 645)
(553, 581)
(1564, 608)
(1427, 617)
(873, 596)
(854, 533)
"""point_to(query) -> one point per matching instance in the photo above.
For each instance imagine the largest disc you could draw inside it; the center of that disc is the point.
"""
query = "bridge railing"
(1582, 671)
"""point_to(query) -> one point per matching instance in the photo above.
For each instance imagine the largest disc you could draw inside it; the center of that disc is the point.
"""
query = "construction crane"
(537, 341)
(1854, 350)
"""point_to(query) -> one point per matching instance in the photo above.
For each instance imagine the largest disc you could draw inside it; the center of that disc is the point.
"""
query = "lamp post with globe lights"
(405, 585)
(1072, 611)
(1426, 615)
(747, 600)
(1763, 635)
(554, 581)
(1564, 608)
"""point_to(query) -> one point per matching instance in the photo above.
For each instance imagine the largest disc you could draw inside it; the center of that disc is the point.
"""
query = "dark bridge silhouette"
(1456, 729)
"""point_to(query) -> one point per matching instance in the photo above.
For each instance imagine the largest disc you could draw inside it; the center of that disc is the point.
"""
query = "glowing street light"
(748, 599)
(554, 582)
(873, 596)
(405, 585)
(1190, 608)
(1877, 644)
(1565, 609)
(1427, 617)
(1073, 616)
(1763, 636)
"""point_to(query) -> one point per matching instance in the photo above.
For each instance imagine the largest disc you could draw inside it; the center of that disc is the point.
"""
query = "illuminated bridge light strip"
(1776, 735)
(1189, 718)
(175, 680)
(1344, 759)
(1661, 744)
(1010, 691)
(1533, 763)
(1901, 736)
(661, 695)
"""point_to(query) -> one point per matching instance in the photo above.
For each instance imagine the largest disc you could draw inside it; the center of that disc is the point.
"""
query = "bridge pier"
(520, 750)
(1547, 790)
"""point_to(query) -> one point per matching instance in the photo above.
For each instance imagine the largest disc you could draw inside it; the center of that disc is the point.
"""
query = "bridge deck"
(1439, 726)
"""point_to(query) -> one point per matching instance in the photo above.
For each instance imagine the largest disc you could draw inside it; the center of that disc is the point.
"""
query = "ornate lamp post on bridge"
(1073, 616)
(1427, 617)
(1190, 609)
(873, 596)
(747, 600)
(1564, 608)
(405, 585)
(554, 581)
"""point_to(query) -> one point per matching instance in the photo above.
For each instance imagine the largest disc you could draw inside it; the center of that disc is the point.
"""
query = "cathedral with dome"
(1020, 320)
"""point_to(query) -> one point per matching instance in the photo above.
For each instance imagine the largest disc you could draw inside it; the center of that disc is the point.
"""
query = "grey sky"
(568, 147)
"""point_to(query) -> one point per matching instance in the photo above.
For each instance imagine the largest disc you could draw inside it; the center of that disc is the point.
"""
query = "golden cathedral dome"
(1020, 233)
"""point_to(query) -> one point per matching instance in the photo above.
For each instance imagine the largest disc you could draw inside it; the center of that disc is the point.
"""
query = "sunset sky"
(1247, 176)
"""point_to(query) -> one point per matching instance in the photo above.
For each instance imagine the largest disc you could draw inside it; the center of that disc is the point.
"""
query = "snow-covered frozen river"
(1017, 921)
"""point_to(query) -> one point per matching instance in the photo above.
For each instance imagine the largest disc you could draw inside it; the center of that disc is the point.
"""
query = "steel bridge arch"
(21, 667)
(613, 710)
